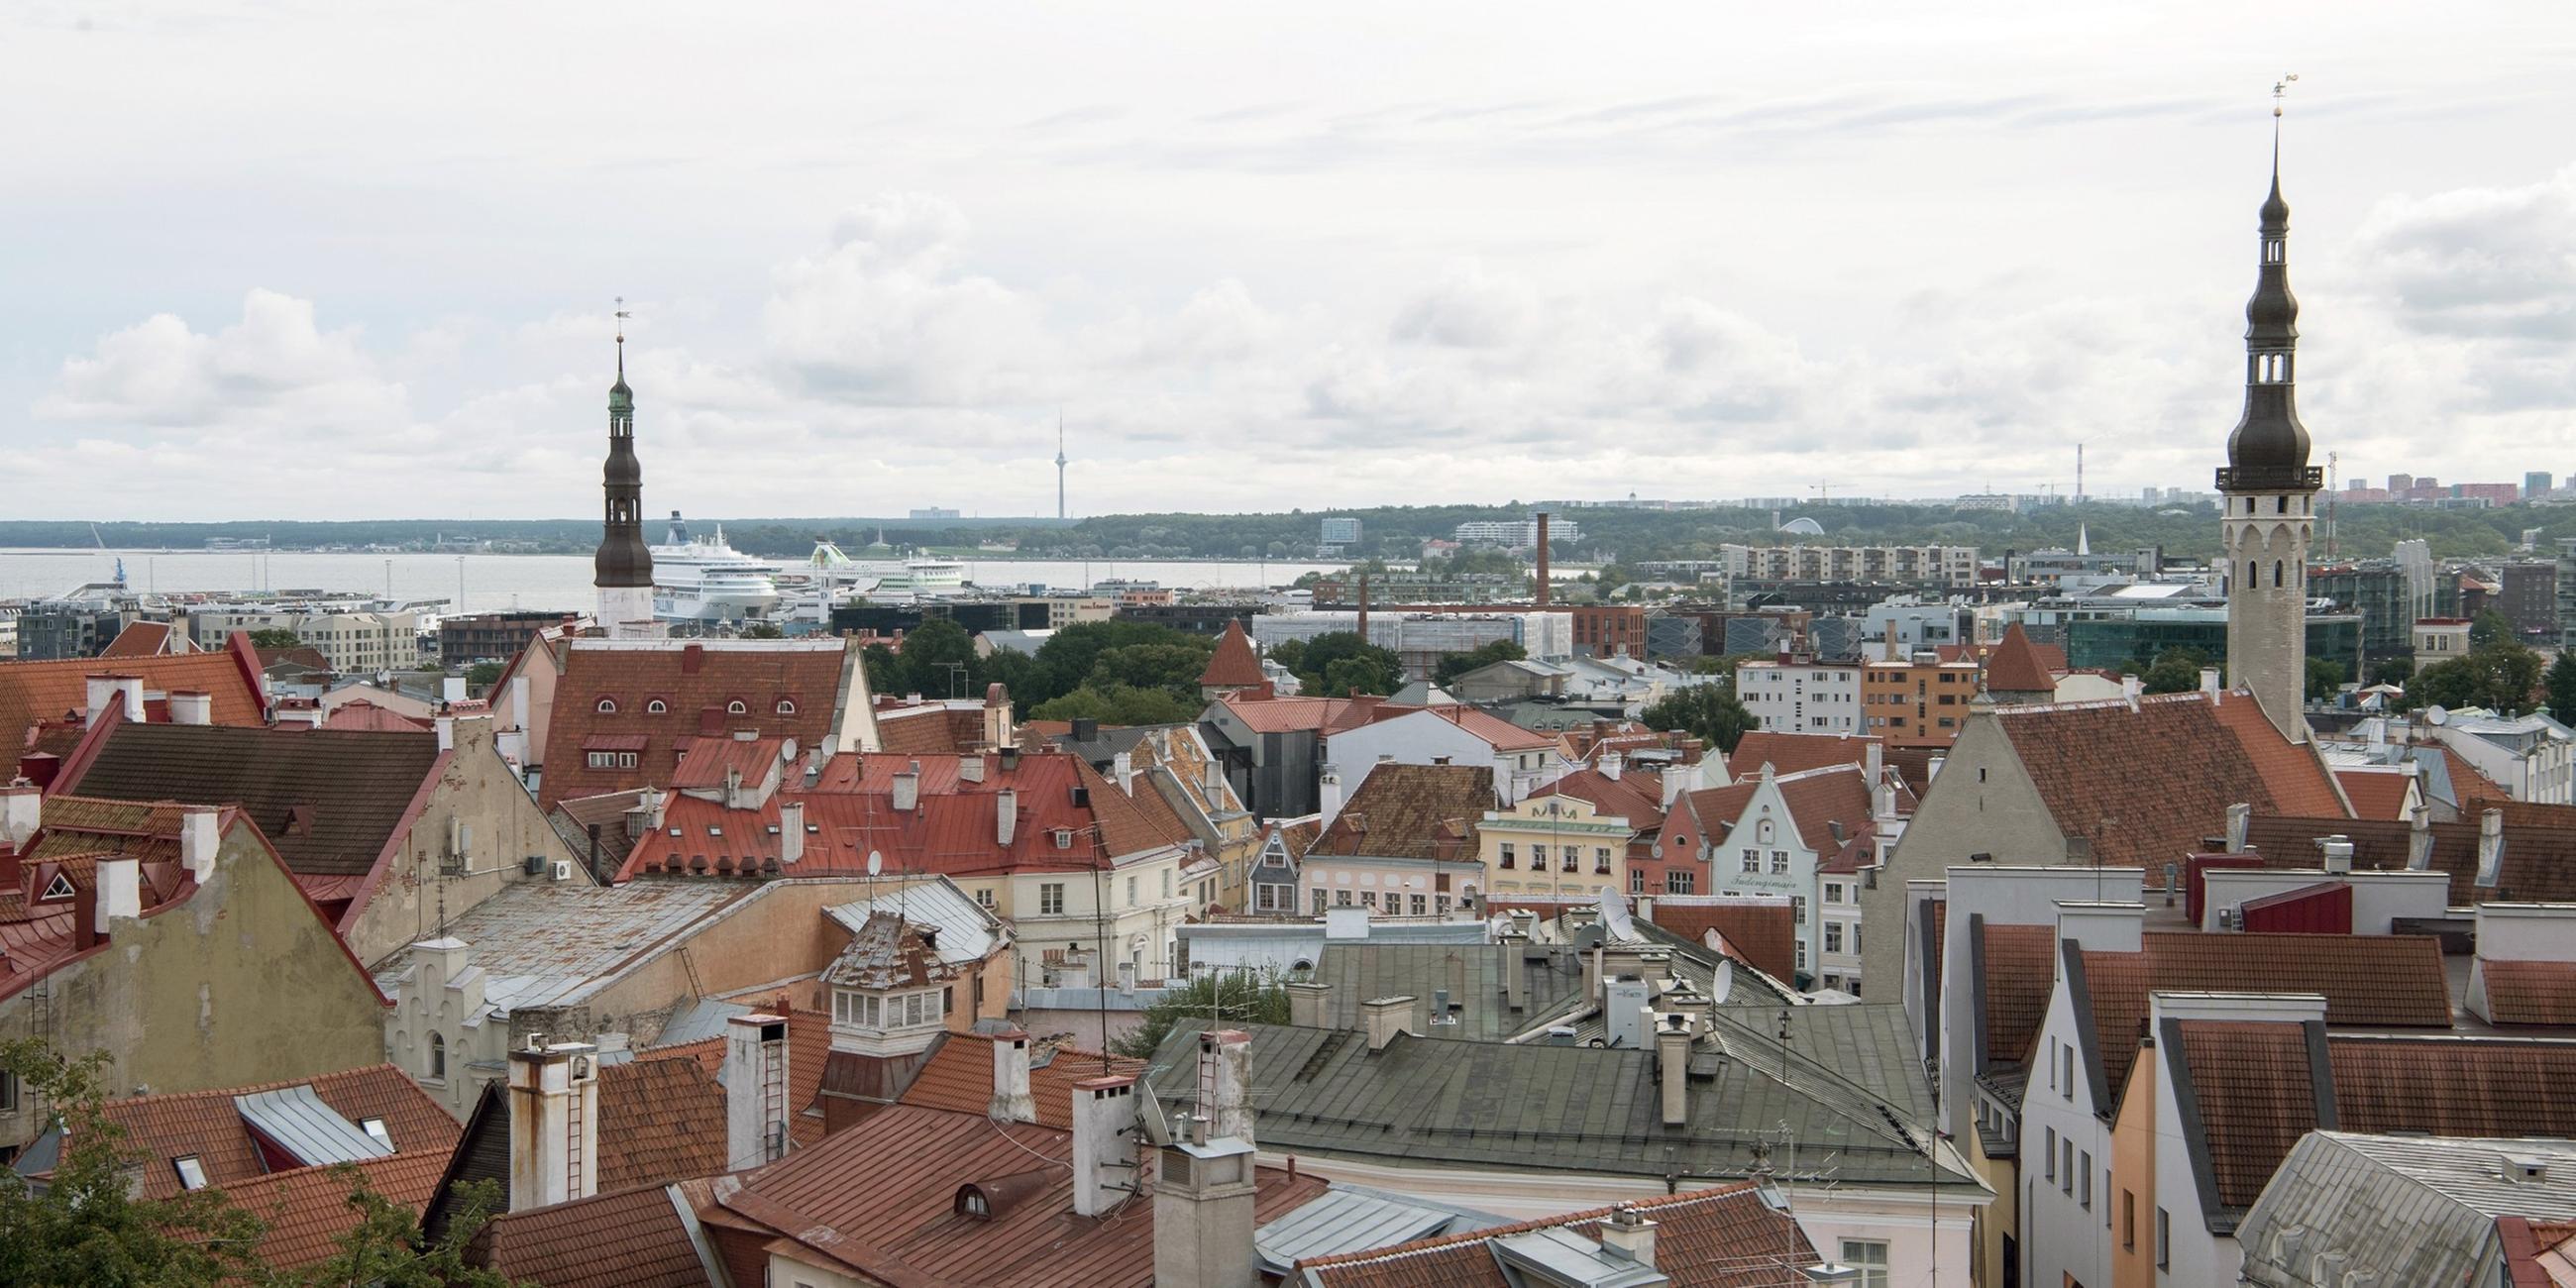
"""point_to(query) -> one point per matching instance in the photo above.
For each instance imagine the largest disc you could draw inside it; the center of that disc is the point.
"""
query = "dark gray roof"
(1423, 1103)
(1473, 974)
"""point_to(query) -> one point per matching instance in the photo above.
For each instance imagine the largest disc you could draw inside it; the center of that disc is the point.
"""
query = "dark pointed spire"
(2268, 452)
(623, 558)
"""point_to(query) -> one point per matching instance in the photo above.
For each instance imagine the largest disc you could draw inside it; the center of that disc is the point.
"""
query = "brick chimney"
(1204, 1183)
(791, 832)
(1011, 1100)
(192, 707)
(755, 1082)
(200, 835)
(1104, 1162)
(554, 1123)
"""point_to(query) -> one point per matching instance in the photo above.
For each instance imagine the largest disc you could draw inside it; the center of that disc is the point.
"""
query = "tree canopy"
(1707, 711)
(1336, 664)
(2500, 677)
(1231, 997)
(1454, 665)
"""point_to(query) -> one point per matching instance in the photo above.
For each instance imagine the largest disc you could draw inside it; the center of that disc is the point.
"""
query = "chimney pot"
(1104, 1164)
(1006, 815)
(1011, 1100)
(907, 790)
(554, 1122)
(446, 726)
(791, 832)
(192, 707)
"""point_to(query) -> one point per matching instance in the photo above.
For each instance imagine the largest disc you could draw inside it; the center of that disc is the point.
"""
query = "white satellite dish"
(876, 863)
(1614, 916)
(2435, 715)
(1149, 1115)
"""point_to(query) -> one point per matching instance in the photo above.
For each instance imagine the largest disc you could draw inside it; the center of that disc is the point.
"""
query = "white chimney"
(1611, 764)
(1204, 1188)
(1676, 781)
(1873, 761)
(1672, 1068)
(1309, 1005)
(22, 811)
(1386, 1017)
(2131, 687)
(652, 803)
(120, 891)
(1330, 787)
(129, 688)
(1104, 1162)
(970, 768)
(2102, 927)
(1225, 1064)
(446, 726)
(1006, 815)
(192, 707)
(1629, 1236)
(1123, 767)
(2338, 853)
(791, 832)
(1514, 947)
(2419, 839)
(2209, 684)
(519, 701)
(199, 838)
(98, 695)
(1011, 1100)
(554, 1123)
(755, 1082)
(907, 790)
(1623, 1013)
(2491, 847)
(2240, 817)
(451, 689)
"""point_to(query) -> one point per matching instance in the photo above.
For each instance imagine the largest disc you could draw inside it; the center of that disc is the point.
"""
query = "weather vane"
(2280, 90)
(621, 316)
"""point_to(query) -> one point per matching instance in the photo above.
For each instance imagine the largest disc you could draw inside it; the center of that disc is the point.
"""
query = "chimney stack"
(446, 726)
(1387, 1017)
(1363, 623)
(2240, 817)
(1011, 1100)
(1542, 559)
(2131, 688)
(1611, 765)
(1204, 1188)
(98, 694)
(1329, 785)
(1225, 1063)
(22, 811)
(2419, 839)
(451, 689)
(1514, 946)
(755, 1082)
(2491, 848)
(2209, 684)
(1104, 1163)
(1629, 1236)
(120, 891)
(1309, 1004)
(192, 707)
(1006, 815)
(199, 838)
(970, 768)
(554, 1123)
(907, 790)
(1123, 767)
(1672, 1067)
(791, 833)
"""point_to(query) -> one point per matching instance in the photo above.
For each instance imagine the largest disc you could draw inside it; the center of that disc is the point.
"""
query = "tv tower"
(1059, 465)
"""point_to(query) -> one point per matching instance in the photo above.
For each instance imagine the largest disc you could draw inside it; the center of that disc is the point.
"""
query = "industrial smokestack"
(1542, 558)
(1364, 606)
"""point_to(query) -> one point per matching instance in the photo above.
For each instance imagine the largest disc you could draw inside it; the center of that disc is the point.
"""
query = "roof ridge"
(1435, 1243)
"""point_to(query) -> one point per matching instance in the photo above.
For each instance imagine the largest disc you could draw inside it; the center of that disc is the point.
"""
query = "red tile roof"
(914, 1232)
(1723, 1237)
(2144, 786)
(2539, 862)
(1412, 812)
(208, 1125)
(2254, 1088)
(1234, 664)
(307, 1209)
(1820, 801)
(704, 762)
(959, 1078)
(34, 691)
(2530, 992)
(619, 1239)
(1311, 714)
(1638, 798)
(1760, 932)
(2372, 981)
(809, 1048)
(2375, 793)
(143, 639)
(1793, 753)
(2019, 976)
(360, 714)
(696, 685)
(1503, 734)
(930, 729)
(2015, 666)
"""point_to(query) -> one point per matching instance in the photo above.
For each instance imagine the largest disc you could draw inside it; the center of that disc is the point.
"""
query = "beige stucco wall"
(1981, 803)
(239, 984)
(1574, 821)
(478, 787)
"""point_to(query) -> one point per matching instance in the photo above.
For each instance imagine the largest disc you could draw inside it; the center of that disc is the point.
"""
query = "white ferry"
(702, 579)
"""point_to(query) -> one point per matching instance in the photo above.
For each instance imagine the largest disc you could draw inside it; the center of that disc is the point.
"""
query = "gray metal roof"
(705, 1018)
(1356, 1218)
(1557, 1255)
(295, 1120)
(545, 943)
(966, 931)
(2408, 1209)
(1424, 1103)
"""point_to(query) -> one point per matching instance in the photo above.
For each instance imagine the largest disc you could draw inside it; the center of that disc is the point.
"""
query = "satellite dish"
(2435, 715)
(1149, 1116)
(876, 863)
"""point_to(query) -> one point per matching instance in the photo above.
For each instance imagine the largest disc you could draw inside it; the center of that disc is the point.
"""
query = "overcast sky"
(332, 260)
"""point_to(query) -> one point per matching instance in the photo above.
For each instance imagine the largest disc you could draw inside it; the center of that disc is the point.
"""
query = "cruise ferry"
(701, 579)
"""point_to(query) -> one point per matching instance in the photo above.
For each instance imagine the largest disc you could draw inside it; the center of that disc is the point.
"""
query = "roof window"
(737, 707)
(191, 1170)
(656, 707)
(607, 706)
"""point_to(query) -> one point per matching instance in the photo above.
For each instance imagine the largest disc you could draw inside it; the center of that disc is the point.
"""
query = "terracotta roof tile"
(696, 685)
(1760, 932)
(1637, 798)
(2253, 1087)
(664, 1120)
(1412, 812)
(623, 1239)
(704, 762)
(1727, 1236)
(34, 691)
(332, 801)
(1234, 664)
(1311, 714)
(208, 1125)
(2019, 977)
(2015, 666)
(360, 714)
(1503, 734)
(2539, 862)
(2375, 793)
(2144, 786)
(1829, 805)
(959, 1078)
(142, 639)
(809, 1049)
(307, 1208)
(2530, 992)
(1794, 753)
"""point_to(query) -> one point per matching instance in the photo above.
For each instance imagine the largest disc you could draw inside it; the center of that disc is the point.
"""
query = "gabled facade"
(1793, 836)
(1522, 759)
(626, 710)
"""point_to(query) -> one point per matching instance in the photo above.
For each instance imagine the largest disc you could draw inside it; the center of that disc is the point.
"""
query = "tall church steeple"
(622, 571)
(2268, 488)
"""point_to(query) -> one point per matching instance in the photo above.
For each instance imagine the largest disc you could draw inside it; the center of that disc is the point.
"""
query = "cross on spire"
(621, 315)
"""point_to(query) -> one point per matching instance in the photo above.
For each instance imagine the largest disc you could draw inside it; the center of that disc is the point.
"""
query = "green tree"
(2561, 687)
(1454, 665)
(2501, 677)
(2395, 670)
(480, 677)
(1120, 704)
(884, 669)
(761, 631)
(1175, 668)
(385, 1248)
(2176, 670)
(87, 1228)
(1015, 672)
(2325, 679)
(1338, 663)
(275, 637)
(1066, 660)
(2490, 627)
(1707, 711)
(938, 660)
(1232, 997)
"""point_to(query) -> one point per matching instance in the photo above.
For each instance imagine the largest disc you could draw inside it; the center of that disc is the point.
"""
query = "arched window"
(608, 706)
(787, 706)
(2253, 576)
(438, 1055)
(2276, 574)
(656, 707)
(736, 708)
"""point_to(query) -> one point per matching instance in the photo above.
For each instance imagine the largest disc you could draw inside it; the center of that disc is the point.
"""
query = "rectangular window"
(1368, 898)
(1568, 859)
(1440, 904)
(1833, 936)
(1341, 898)
(1636, 880)
(1131, 892)
(984, 896)
(1506, 860)
(2066, 1165)
(2049, 1155)
(2128, 1221)
(1869, 1257)
(192, 1172)
(2067, 1053)
(1051, 899)
(870, 1011)
(2164, 1240)
(1167, 883)
(1538, 858)
(2084, 1181)
(1779, 862)
(1600, 859)
(1798, 909)
(1753, 860)
(1680, 881)
(1833, 892)
(1319, 902)
(8, 1092)
(1420, 905)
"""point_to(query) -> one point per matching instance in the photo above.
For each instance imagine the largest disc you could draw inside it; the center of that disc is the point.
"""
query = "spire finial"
(2280, 90)
(622, 315)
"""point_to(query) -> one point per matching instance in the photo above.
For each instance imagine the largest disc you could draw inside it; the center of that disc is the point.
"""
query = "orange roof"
(1760, 932)
(1638, 798)
(621, 1239)
(2530, 992)
(1818, 800)
(307, 1209)
(1791, 753)
(2375, 793)
(358, 713)
(959, 1077)
(2016, 667)
(809, 1046)
(144, 639)
(782, 689)
(1234, 664)
(1319, 715)
(2017, 983)
(704, 762)
(208, 1125)
(1503, 734)
(1411, 812)
(34, 691)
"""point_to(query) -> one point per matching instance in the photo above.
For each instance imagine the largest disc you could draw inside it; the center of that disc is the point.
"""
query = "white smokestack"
(192, 707)
(554, 1123)
(120, 891)
(791, 832)
(755, 1082)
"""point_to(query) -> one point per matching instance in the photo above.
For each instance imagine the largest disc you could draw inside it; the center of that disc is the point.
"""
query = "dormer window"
(375, 1127)
(786, 706)
(58, 888)
(607, 706)
(656, 707)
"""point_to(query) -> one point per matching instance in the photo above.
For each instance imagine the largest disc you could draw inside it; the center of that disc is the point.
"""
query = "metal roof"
(1356, 1218)
(2409, 1209)
(555, 943)
(966, 931)
(295, 1120)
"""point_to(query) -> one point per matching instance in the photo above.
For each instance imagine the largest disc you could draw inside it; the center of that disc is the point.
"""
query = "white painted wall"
(1801, 698)
(1422, 738)
(2378, 898)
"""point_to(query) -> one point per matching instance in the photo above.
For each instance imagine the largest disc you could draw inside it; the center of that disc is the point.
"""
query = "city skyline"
(1728, 267)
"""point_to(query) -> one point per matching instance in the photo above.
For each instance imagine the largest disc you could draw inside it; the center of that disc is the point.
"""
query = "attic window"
(608, 706)
(191, 1170)
(737, 707)
(713, 830)
(786, 706)
(59, 888)
(376, 1127)
(656, 707)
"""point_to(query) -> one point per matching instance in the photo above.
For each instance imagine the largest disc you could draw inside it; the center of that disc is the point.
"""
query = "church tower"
(623, 569)
(2269, 490)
